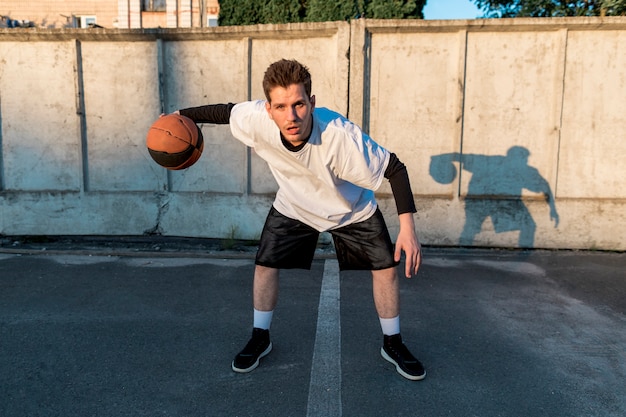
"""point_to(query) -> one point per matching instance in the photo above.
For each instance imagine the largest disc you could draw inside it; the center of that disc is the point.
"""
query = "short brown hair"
(284, 73)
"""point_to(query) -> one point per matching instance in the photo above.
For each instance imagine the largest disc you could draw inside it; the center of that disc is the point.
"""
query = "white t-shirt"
(328, 183)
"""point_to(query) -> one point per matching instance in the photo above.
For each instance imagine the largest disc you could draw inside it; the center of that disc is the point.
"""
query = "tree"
(395, 9)
(613, 8)
(283, 11)
(240, 12)
(251, 12)
(551, 8)
(331, 10)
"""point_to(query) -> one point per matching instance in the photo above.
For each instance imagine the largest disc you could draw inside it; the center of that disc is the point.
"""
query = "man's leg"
(386, 291)
(285, 244)
(264, 299)
(265, 288)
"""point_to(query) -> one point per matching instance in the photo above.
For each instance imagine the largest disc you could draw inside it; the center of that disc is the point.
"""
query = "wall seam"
(82, 119)
(248, 167)
(163, 96)
(558, 149)
(367, 72)
(462, 128)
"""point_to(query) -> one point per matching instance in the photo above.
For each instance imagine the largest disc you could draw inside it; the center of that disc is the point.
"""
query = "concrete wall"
(489, 116)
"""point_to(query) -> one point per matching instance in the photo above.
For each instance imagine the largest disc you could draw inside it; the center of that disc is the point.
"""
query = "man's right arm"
(211, 113)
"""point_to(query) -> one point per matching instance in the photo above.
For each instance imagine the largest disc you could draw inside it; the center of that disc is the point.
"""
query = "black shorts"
(287, 243)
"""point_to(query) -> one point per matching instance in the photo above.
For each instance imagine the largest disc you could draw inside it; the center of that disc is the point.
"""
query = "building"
(122, 14)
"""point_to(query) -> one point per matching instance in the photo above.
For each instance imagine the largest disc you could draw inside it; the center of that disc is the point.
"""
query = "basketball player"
(327, 170)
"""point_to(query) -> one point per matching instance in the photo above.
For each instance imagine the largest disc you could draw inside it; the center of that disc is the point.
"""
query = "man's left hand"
(407, 241)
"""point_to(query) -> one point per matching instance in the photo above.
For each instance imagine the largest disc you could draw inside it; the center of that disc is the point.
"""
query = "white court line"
(325, 385)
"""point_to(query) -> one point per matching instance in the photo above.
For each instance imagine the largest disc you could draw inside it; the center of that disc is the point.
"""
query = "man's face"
(291, 109)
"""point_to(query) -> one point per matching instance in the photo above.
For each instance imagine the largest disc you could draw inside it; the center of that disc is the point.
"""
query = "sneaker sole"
(400, 370)
(255, 364)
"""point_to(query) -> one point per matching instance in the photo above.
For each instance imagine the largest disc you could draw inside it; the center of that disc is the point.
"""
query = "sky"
(450, 9)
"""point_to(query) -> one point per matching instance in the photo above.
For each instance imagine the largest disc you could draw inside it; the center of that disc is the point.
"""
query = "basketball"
(175, 142)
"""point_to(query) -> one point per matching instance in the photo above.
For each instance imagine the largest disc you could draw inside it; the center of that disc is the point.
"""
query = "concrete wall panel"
(512, 106)
(219, 215)
(593, 117)
(209, 72)
(40, 130)
(63, 213)
(412, 112)
(121, 102)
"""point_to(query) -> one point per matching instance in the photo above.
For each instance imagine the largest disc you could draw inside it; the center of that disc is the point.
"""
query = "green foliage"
(395, 9)
(551, 8)
(331, 10)
(614, 7)
(283, 11)
(240, 12)
(251, 12)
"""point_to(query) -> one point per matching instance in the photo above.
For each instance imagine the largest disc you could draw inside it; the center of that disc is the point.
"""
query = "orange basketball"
(175, 142)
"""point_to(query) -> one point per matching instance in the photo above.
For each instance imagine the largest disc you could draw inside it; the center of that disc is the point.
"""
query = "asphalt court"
(501, 333)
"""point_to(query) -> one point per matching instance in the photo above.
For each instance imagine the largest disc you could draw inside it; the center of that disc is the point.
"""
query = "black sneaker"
(397, 353)
(258, 346)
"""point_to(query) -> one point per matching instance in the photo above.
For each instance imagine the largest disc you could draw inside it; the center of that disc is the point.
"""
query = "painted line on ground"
(325, 385)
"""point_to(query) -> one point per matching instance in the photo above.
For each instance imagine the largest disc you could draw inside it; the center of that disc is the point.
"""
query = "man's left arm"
(407, 240)
(210, 113)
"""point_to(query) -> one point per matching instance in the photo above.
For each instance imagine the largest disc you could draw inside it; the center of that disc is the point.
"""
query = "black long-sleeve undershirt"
(218, 114)
(396, 171)
(398, 178)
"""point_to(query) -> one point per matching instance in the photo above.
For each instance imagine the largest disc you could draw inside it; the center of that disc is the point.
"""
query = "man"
(327, 170)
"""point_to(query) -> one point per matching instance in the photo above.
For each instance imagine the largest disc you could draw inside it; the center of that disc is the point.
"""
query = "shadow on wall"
(495, 191)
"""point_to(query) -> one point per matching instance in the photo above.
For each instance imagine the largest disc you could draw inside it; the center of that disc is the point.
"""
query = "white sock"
(390, 326)
(263, 319)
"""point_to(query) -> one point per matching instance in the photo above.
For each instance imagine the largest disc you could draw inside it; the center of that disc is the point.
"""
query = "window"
(153, 5)
(84, 21)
